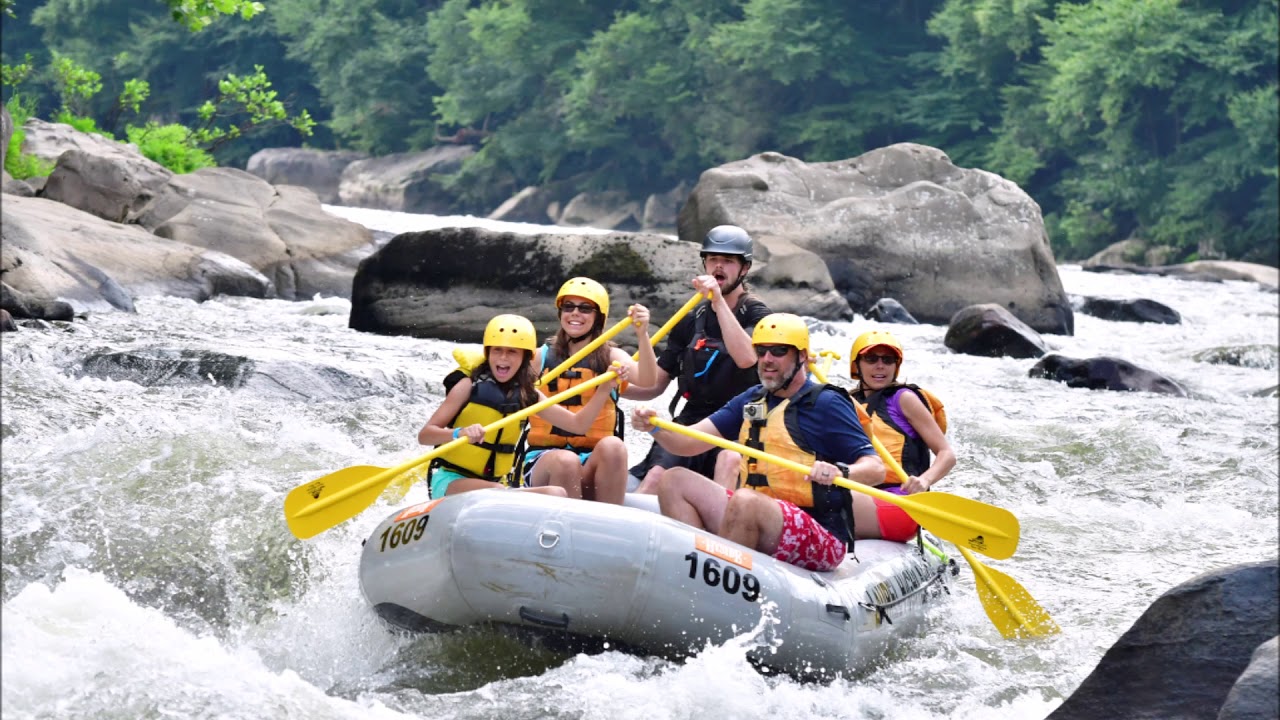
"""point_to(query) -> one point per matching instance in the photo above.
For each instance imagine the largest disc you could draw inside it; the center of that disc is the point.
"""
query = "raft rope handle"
(881, 609)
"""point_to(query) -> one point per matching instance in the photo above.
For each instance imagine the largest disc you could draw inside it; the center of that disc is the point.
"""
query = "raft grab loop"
(882, 609)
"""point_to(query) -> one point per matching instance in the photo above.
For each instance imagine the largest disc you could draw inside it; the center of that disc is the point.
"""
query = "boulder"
(21, 305)
(1265, 275)
(527, 206)
(113, 182)
(1104, 373)
(48, 141)
(281, 231)
(320, 171)
(888, 310)
(662, 210)
(51, 251)
(610, 210)
(405, 182)
(992, 331)
(901, 221)
(20, 188)
(1139, 310)
(1183, 657)
(1133, 251)
(286, 379)
(447, 283)
(1264, 357)
(6, 321)
(1256, 695)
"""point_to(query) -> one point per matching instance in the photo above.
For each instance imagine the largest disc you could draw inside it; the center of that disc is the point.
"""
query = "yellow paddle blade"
(309, 510)
(988, 529)
(1011, 608)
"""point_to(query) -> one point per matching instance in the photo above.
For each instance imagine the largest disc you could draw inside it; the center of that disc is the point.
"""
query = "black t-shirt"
(706, 372)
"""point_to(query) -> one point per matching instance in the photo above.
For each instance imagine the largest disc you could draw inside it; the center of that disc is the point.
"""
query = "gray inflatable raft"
(585, 575)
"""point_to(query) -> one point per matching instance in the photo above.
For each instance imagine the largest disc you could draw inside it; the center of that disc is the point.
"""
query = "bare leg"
(551, 490)
(558, 468)
(866, 521)
(692, 499)
(728, 469)
(604, 476)
(649, 484)
(754, 520)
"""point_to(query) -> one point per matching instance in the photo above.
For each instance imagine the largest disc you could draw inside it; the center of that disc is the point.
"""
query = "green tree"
(1140, 94)
(368, 59)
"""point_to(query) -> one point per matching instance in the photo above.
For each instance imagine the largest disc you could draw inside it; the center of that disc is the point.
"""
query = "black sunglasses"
(584, 308)
(873, 359)
(774, 350)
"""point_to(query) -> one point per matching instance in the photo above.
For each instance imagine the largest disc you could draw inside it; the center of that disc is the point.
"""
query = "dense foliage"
(1154, 119)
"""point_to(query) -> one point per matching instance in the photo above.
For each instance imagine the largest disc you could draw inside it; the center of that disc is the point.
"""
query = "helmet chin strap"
(742, 276)
(786, 382)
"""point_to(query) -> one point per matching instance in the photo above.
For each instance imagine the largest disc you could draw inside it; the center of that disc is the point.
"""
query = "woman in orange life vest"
(592, 464)
(501, 385)
(906, 419)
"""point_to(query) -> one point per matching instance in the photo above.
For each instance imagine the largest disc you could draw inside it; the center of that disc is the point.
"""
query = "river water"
(148, 571)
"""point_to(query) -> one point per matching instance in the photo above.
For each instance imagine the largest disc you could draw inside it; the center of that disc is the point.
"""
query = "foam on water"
(147, 569)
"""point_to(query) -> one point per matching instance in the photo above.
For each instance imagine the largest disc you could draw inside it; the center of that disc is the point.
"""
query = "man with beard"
(805, 520)
(709, 356)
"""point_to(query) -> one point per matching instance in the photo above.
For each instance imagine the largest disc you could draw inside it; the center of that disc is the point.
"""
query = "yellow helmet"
(510, 331)
(587, 288)
(871, 339)
(781, 329)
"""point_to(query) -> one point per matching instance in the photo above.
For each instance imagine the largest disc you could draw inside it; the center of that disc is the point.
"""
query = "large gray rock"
(112, 182)
(1139, 310)
(289, 379)
(1104, 373)
(404, 182)
(317, 170)
(990, 330)
(51, 251)
(1256, 695)
(447, 283)
(48, 141)
(609, 210)
(1184, 655)
(282, 231)
(901, 221)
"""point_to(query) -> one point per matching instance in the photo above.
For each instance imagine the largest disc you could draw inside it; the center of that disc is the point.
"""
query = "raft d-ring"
(547, 539)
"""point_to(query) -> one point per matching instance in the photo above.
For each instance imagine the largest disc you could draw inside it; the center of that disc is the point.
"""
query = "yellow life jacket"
(777, 432)
(912, 453)
(543, 434)
(491, 459)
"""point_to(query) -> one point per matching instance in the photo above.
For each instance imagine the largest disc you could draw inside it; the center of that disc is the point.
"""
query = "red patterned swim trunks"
(806, 543)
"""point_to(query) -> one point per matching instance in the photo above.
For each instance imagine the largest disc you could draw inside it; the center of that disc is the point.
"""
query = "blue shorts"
(532, 456)
(440, 479)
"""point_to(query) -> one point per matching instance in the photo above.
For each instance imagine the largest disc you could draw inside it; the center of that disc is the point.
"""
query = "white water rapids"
(148, 571)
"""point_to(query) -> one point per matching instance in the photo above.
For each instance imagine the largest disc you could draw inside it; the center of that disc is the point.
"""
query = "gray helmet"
(727, 240)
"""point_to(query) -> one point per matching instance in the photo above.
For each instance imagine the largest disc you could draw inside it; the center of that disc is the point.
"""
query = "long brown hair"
(599, 359)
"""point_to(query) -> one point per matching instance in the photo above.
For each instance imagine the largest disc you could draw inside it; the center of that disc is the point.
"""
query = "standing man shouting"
(709, 354)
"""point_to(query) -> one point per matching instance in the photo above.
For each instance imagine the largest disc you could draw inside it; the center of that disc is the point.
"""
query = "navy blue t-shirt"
(830, 427)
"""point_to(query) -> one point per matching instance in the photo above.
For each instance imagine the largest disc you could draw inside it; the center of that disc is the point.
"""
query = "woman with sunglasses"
(592, 465)
(908, 420)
